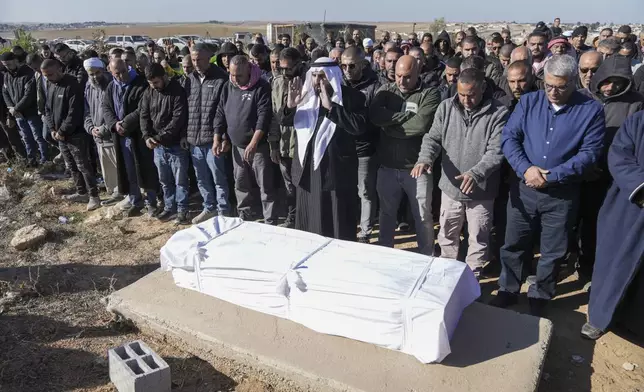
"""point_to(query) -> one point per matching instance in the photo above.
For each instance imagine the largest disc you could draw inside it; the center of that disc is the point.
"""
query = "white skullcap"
(367, 43)
(93, 62)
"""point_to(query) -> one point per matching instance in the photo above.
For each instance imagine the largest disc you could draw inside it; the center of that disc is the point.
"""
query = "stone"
(629, 366)
(95, 218)
(28, 237)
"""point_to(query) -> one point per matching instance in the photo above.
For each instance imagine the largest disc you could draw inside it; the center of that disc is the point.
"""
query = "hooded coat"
(143, 157)
(619, 106)
(444, 36)
(228, 48)
(618, 280)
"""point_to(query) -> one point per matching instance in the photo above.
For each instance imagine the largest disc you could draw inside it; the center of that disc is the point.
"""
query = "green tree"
(437, 25)
(24, 39)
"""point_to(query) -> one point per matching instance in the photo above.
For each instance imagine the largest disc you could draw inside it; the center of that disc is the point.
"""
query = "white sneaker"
(94, 203)
(204, 216)
(76, 198)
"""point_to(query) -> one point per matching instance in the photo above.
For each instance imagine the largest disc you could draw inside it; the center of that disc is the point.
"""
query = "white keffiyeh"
(306, 116)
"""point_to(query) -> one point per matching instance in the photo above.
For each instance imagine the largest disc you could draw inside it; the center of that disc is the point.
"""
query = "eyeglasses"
(585, 70)
(558, 89)
(347, 66)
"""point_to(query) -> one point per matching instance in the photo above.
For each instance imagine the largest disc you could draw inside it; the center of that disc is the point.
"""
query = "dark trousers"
(75, 152)
(285, 167)
(553, 210)
(14, 139)
(591, 199)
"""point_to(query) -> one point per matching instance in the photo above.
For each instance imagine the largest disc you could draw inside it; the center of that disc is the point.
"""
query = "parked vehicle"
(176, 41)
(135, 41)
(79, 45)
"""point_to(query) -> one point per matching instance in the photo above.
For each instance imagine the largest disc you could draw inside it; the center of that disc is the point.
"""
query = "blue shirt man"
(552, 138)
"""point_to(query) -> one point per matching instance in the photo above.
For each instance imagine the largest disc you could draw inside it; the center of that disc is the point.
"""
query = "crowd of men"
(517, 147)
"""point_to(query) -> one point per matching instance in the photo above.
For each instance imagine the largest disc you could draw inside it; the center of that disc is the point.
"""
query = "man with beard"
(404, 110)
(243, 118)
(326, 115)
(559, 46)
(164, 116)
(19, 93)
(452, 70)
(289, 63)
(397, 40)
(367, 45)
(46, 53)
(9, 132)
(95, 126)
(391, 58)
(357, 37)
(624, 33)
(608, 47)
(589, 63)
(135, 162)
(275, 62)
(362, 78)
(556, 28)
(605, 33)
(492, 69)
(309, 46)
(72, 64)
(611, 86)
(578, 39)
(384, 38)
(495, 47)
(64, 113)
(187, 68)
(617, 296)
(286, 40)
(507, 37)
(629, 51)
(259, 57)
(553, 137)
(537, 46)
(206, 84)
(466, 132)
(443, 46)
(228, 51)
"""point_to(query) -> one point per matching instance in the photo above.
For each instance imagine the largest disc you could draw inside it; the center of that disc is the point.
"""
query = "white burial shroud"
(392, 298)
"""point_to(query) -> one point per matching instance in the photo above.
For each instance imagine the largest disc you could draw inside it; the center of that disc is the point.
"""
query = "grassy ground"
(55, 332)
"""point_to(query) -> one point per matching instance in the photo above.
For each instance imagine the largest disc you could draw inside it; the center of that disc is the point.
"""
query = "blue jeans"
(172, 164)
(208, 168)
(553, 210)
(136, 198)
(32, 136)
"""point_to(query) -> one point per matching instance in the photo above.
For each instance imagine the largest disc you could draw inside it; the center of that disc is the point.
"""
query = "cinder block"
(134, 367)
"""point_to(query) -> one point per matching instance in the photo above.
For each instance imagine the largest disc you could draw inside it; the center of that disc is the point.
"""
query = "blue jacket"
(566, 142)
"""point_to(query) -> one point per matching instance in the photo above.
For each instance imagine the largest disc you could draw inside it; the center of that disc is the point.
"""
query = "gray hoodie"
(469, 144)
(94, 111)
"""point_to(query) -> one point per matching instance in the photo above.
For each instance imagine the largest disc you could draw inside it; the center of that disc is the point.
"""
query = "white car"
(176, 41)
(78, 45)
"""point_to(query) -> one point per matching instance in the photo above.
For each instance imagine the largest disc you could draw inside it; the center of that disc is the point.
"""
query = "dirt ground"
(55, 331)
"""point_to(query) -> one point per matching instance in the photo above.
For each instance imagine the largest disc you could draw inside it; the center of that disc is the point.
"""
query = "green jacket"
(403, 119)
(287, 133)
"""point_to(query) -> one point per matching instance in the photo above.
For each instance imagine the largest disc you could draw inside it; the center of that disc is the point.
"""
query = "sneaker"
(153, 211)
(94, 203)
(115, 198)
(288, 223)
(538, 307)
(403, 226)
(504, 299)
(76, 198)
(181, 219)
(124, 204)
(132, 211)
(363, 239)
(165, 216)
(58, 159)
(590, 332)
(204, 216)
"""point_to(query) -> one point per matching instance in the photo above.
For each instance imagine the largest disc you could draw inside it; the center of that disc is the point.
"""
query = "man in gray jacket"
(467, 134)
(95, 88)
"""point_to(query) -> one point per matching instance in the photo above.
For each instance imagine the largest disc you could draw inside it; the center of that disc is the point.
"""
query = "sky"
(65, 11)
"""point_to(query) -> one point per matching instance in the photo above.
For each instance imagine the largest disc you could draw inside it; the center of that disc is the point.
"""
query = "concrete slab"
(492, 349)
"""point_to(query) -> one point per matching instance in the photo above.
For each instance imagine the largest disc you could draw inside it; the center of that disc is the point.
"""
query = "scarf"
(255, 75)
(306, 115)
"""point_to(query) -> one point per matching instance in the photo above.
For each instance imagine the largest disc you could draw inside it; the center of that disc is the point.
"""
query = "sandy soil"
(55, 332)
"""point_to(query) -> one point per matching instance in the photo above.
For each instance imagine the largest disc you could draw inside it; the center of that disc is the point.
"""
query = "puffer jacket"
(164, 114)
(94, 118)
(619, 106)
(369, 84)
(203, 99)
(19, 91)
(75, 68)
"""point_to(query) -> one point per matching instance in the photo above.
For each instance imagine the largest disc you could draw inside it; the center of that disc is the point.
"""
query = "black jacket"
(203, 99)
(617, 107)
(368, 85)
(241, 112)
(444, 36)
(75, 68)
(164, 114)
(19, 91)
(133, 96)
(65, 106)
